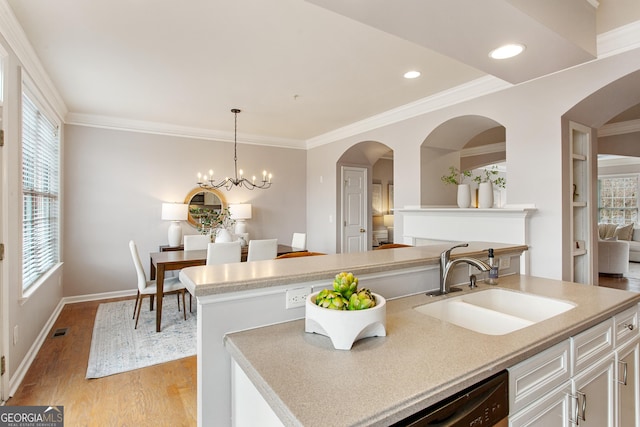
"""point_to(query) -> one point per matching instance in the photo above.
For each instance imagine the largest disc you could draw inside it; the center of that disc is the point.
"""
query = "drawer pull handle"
(629, 326)
(624, 372)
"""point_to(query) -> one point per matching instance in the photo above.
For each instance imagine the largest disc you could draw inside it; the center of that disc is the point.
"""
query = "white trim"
(619, 128)
(17, 378)
(464, 92)
(129, 125)
(19, 374)
(12, 31)
(497, 147)
(619, 40)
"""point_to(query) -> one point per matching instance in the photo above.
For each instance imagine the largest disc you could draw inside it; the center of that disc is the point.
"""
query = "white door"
(354, 209)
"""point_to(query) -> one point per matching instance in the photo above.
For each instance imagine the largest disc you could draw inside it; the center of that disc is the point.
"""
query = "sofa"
(613, 257)
(613, 240)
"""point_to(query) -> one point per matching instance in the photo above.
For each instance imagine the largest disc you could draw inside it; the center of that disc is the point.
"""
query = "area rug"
(117, 347)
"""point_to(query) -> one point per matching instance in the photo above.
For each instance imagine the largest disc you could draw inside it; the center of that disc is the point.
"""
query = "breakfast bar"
(244, 326)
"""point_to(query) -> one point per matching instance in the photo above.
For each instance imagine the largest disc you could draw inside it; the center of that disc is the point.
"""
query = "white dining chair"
(224, 252)
(262, 249)
(194, 242)
(299, 241)
(146, 287)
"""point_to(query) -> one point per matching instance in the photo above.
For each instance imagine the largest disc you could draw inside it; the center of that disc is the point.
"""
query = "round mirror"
(203, 205)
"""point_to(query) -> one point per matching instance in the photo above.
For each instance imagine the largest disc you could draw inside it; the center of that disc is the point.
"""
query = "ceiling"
(298, 69)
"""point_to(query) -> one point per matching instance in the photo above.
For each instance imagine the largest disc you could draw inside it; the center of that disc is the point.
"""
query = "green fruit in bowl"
(362, 300)
(346, 284)
(332, 300)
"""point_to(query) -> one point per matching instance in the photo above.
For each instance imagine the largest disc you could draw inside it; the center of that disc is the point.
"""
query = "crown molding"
(17, 40)
(620, 128)
(128, 125)
(498, 147)
(610, 43)
(609, 161)
(619, 40)
(473, 89)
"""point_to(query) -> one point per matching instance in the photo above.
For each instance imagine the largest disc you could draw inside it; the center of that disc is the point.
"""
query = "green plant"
(491, 175)
(456, 176)
(209, 219)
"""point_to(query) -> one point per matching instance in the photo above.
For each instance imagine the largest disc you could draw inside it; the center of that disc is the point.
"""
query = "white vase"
(464, 196)
(485, 195)
(223, 235)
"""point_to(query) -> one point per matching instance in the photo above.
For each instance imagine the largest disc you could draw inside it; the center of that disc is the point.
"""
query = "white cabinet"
(591, 379)
(627, 384)
(593, 395)
(552, 410)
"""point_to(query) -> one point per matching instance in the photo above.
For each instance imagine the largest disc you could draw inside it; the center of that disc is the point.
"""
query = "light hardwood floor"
(629, 282)
(161, 395)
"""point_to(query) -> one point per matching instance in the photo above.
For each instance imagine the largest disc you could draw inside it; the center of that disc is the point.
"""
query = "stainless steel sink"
(495, 311)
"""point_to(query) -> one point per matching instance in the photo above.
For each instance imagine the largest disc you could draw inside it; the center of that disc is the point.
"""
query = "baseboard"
(18, 376)
(100, 296)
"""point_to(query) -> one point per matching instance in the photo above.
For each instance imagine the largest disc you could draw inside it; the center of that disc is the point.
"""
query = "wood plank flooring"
(161, 395)
(629, 282)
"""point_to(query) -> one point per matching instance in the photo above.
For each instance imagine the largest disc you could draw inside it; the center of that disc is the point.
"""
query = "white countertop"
(421, 360)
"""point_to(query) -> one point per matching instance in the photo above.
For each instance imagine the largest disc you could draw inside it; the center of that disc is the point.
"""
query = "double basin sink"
(495, 311)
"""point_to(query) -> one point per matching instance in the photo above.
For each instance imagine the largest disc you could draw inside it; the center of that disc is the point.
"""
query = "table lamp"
(175, 212)
(388, 222)
(240, 213)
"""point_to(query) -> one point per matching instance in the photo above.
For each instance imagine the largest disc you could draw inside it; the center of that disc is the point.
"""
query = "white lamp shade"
(388, 220)
(175, 211)
(240, 211)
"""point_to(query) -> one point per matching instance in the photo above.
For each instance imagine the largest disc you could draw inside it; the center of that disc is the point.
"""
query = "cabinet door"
(628, 385)
(550, 411)
(593, 391)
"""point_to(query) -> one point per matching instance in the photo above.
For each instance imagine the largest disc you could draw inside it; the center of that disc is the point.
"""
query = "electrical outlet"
(297, 297)
(504, 262)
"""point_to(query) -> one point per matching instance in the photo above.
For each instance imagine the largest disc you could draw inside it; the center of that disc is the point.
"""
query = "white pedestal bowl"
(344, 327)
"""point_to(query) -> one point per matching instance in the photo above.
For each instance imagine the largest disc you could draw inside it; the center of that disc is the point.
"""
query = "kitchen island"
(422, 360)
(242, 296)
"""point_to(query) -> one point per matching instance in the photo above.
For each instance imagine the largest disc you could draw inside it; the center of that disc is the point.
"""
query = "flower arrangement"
(491, 175)
(456, 176)
(210, 219)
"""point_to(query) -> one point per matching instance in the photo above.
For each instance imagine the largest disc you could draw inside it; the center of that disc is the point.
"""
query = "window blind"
(40, 190)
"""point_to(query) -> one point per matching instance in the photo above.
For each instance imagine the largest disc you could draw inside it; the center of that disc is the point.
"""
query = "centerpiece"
(345, 313)
(457, 177)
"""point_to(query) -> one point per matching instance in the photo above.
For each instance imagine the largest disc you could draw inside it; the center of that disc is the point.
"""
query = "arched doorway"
(611, 114)
(358, 173)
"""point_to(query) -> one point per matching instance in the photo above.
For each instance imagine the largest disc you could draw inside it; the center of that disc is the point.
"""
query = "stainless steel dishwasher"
(482, 405)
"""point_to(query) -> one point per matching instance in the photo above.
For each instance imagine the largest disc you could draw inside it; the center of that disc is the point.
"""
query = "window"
(618, 199)
(40, 184)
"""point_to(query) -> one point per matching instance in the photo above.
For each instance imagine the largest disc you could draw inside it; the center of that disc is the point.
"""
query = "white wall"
(531, 114)
(116, 182)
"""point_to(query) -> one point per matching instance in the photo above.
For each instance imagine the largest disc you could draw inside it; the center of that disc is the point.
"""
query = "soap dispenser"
(492, 278)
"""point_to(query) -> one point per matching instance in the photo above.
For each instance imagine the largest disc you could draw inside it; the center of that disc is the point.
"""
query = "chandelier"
(208, 183)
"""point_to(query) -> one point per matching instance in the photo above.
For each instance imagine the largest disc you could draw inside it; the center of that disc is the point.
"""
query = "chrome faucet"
(446, 263)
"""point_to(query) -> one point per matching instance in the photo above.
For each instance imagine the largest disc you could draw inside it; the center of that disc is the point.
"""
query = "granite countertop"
(234, 277)
(421, 361)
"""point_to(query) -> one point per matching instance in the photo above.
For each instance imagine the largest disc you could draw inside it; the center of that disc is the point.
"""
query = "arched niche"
(201, 202)
(465, 142)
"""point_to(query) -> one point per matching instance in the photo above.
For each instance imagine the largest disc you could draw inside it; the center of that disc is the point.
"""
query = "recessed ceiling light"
(507, 51)
(411, 74)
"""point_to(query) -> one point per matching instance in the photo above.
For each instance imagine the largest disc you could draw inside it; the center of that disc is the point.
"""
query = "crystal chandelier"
(208, 183)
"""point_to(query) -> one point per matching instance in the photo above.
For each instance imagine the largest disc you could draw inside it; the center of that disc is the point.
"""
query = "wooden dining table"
(172, 260)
